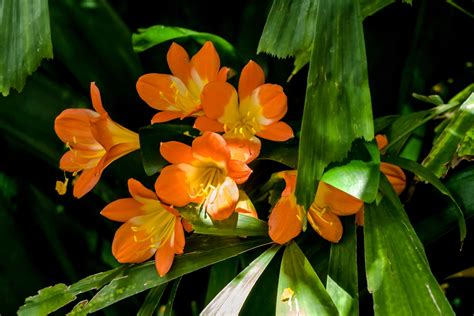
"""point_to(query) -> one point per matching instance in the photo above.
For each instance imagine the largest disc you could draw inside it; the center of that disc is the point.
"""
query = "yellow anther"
(61, 187)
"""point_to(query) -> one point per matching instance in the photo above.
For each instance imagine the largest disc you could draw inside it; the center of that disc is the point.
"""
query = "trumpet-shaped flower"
(179, 95)
(94, 141)
(203, 174)
(150, 228)
(256, 111)
(286, 218)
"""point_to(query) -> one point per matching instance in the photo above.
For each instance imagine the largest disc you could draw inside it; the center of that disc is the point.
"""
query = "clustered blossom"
(205, 175)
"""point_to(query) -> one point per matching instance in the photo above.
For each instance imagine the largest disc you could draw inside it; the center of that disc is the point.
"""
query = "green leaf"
(285, 153)
(398, 273)
(200, 252)
(221, 274)
(54, 297)
(153, 135)
(152, 300)
(169, 304)
(337, 104)
(444, 150)
(236, 225)
(300, 290)
(370, 7)
(157, 34)
(427, 175)
(357, 178)
(341, 281)
(26, 39)
(231, 299)
(383, 122)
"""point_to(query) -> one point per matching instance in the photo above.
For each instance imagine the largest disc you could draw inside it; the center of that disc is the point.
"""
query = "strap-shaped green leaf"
(231, 299)
(398, 273)
(200, 252)
(300, 291)
(427, 175)
(337, 106)
(341, 282)
(25, 38)
(152, 300)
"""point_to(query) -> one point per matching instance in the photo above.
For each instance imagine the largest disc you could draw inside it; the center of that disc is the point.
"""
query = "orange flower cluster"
(285, 221)
(205, 174)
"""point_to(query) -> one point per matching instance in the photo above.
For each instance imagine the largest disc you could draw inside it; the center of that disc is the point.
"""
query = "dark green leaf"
(285, 153)
(443, 152)
(221, 274)
(369, 7)
(300, 291)
(383, 122)
(152, 300)
(200, 252)
(169, 304)
(337, 104)
(153, 135)
(157, 34)
(231, 299)
(341, 281)
(236, 225)
(26, 39)
(433, 99)
(427, 175)
(396, 265)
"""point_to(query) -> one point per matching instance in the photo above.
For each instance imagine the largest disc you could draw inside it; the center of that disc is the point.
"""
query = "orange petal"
(117, 152)
(179, 241)
(131, 246)
(171, 186)
(290, 182)
(245, 205)
(176, 152)
(178, 61)
(211, 145)
(159, 91)
(360, 217)
(86, 182)
(278, 132)
(138, 191)
(206, 62)
(165, 116)
(108, 133)
(219, 101)
(252, 77)
(273, 101)
(285, 222)
(205, 124)
(395, 176)
(223, 74)
(245, 150)
(238, 170)
(77, 160)
(164, 258)
(326, 224)
(338, 202)
(381, 140)
(187, 226)
(96, 101)
(221, 202)
(73, 126)
(122, 210)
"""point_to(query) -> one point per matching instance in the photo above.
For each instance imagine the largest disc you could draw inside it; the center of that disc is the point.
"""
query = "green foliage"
(152, 300)
(21, 55)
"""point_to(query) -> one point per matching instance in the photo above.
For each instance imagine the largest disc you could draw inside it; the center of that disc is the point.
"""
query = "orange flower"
(328, 204)
(394, 174)
(94, 141)
(179, 95)
(285, 222)
(259, 112)
(150, 228)
(203, 174)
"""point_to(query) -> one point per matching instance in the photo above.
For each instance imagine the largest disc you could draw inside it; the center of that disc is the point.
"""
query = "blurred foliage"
(48, 239)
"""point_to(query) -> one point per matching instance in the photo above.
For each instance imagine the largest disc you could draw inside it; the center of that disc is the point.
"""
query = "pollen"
(61, 186)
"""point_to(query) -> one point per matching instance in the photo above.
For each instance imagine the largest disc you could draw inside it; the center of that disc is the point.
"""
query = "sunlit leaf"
(236, 225)
(153, 135)
(427, 175)
(300, 291)
(221, 274)
(152, 300)
(337, 104)
(200, 252)
(157, 34)
(342, 281)
(231, 299)
(26, 39)
(398, 273)
(444, 150)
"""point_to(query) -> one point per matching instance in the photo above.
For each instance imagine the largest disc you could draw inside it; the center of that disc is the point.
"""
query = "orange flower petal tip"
(326, 224)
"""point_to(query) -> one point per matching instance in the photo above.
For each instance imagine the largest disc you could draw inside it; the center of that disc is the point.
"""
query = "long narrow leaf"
(337, 105)
(231, 299)
(200, 252)
(428, 175)
(342, 282)
(398, 273)
(152, 300)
